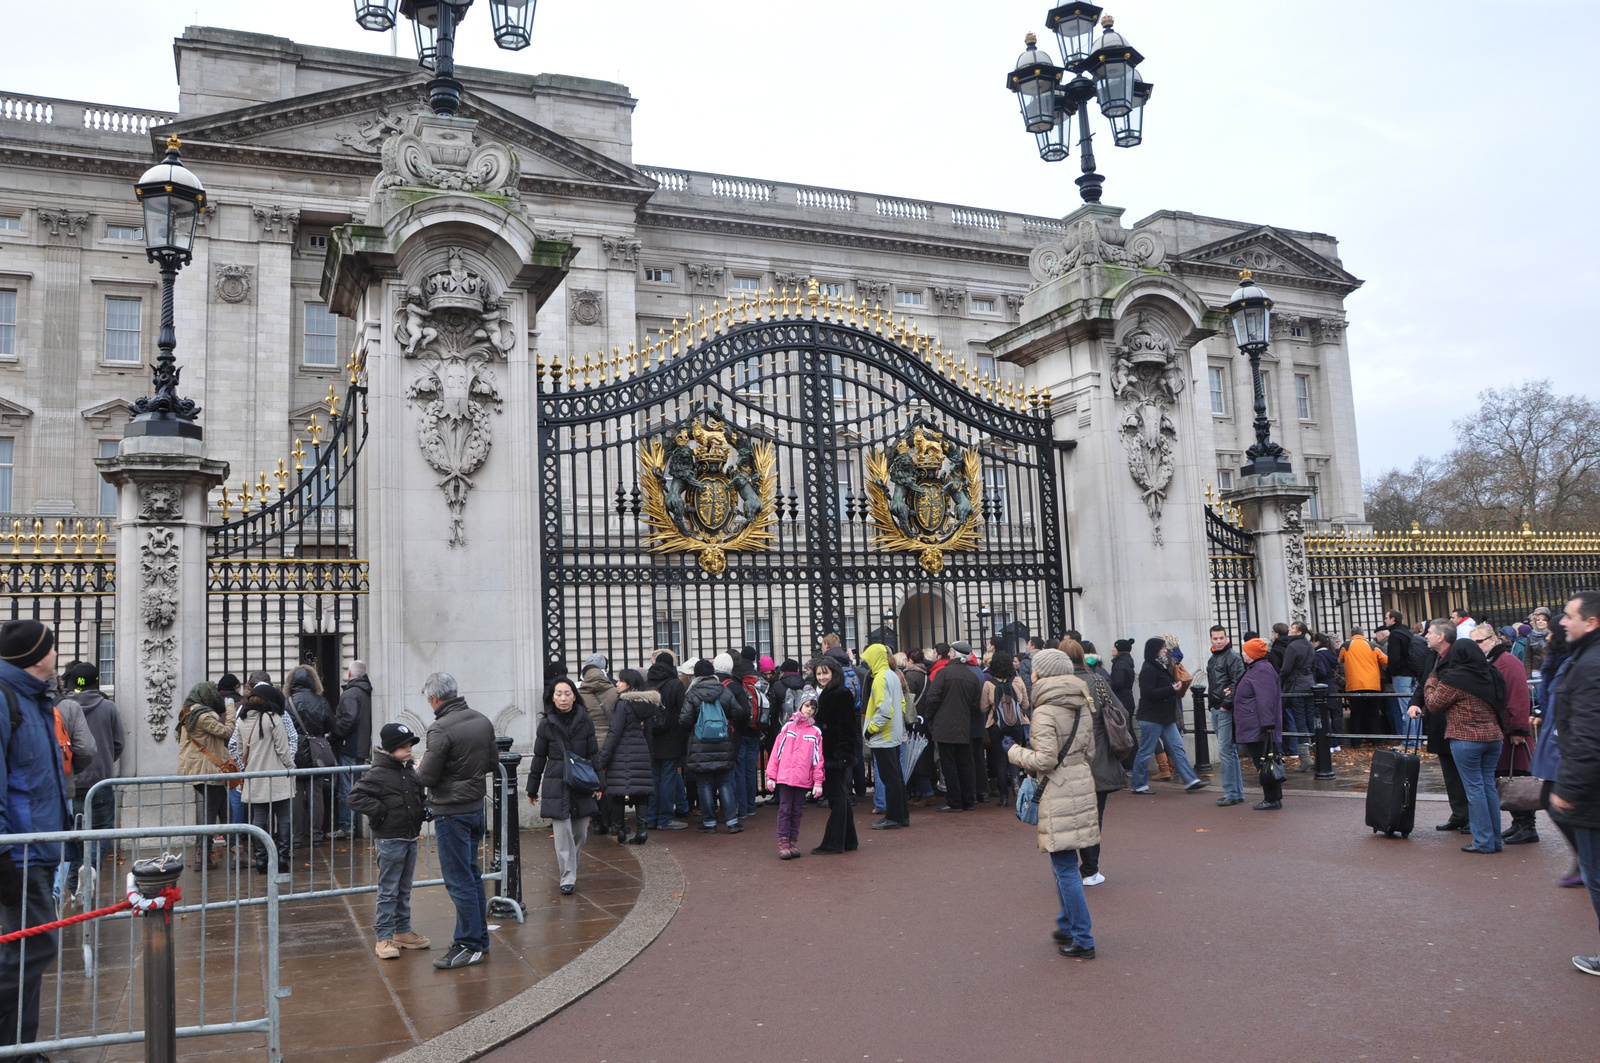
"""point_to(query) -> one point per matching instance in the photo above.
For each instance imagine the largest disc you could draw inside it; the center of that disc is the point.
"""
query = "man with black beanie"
(37, 801)
(81, 684)
(668, 743)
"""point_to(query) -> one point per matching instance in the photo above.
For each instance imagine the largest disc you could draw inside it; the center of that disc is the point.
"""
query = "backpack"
(791, 704)
(64, 740)
(313, 750)
(852, 683)
(1007, 713)
(711, 725)
(1422, 658)
(755, 689)
(1119, 733)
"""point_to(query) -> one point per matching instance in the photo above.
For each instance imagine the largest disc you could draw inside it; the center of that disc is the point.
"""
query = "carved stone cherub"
(417, 331)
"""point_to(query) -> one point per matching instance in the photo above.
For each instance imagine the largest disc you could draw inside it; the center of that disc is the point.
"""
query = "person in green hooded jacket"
(885, 730)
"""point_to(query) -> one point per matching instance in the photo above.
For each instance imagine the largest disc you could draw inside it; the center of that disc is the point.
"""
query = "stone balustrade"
(75, 114)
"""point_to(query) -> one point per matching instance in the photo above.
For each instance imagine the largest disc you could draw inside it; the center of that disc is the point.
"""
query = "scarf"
(1466, 668)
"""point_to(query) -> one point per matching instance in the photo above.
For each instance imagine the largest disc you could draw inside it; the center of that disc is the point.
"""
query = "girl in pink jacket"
(795, 767)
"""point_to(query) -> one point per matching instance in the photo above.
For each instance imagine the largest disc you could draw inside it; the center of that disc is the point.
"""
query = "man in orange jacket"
(1363, 672)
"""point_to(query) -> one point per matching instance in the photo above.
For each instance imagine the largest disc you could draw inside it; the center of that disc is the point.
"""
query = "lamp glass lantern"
(171, 197)
(1251, 312)
(1113, 63)
(424, 16)
(1074, 25)
(513, 23)
(1034, 80)
(376, 15)
(1056, 143)
(1128, 130)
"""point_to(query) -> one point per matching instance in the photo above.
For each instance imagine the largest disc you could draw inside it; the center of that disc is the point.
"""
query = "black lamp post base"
(157, 424)
(1266, 465)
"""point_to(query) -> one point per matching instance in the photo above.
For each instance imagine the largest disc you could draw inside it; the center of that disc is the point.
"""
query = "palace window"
(994, 492)
(8, 322)
(122, 329)
(1266, 391)
(322, 336)
(747, 374)
(658, 276)
(107, 654)
(747, 284)
(1219, 390)
(1297, 331)
(1225, 479)
(986, 367)
(983, 306)
(833, 291)
(1314, 503)
(758, 633)
(849, 633)
(317, 241)
(108, 491)
(10, 221)
(908, 298)
(8, 450)
(841, 479)
(124, 232)
(669, 636)
(1302, 395)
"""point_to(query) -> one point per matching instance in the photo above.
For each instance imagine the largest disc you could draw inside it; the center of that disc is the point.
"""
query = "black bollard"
(1202, 748)
(160, 991)
(1322, 743)
(507, 849)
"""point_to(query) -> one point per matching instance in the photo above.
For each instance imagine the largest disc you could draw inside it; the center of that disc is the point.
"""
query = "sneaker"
(412, 940)
(1140, 790)
(459, 955)
(1226, 801)
(672, 824)
(707, 828)
(1587, 964)
(1094, 879)
(735, 827)
(339, 835)
(1076, 952)
(1198, 784)
(387, 950)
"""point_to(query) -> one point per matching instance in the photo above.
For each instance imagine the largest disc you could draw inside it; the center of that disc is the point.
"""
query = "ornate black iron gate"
(785, 468)
(1231, 555)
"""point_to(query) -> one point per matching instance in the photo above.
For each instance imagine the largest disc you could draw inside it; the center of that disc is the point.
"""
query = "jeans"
(719, 783)
(342, 819)
(670, 797)
(102, 817)
(886, 762)
(458, 838)
(1074, 917)
(1476, 761)
(36, 907)
(397, 866)
(1168, 734)
(1232, 774)
(1587, 841)
(744, 774)
(569, 838)
(1300, 715)
(1404, 687)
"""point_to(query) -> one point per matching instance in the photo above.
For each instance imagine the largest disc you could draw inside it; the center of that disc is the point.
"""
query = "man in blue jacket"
(35, 800)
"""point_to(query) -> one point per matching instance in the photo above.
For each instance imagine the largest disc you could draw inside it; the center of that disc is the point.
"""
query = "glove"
(10, 881)
(1007, 742)
(427, 814)
(816, 792)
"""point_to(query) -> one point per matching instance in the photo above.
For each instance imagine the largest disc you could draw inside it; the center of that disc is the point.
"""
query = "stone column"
(161, 588)
(1272, 508)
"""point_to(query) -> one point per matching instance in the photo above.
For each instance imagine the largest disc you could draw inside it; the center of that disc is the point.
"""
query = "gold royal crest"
(925, 495)
(709, 488)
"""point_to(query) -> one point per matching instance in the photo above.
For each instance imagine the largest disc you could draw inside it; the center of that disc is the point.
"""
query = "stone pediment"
(1266, 250)
(12, 414)
(105, 414)
(344, 129)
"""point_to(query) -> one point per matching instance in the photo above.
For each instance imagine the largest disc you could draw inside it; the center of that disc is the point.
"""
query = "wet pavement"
(346, 1004)
(1222, 934)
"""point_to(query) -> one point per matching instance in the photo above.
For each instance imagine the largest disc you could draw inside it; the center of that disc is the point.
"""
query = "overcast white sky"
(1450, 146)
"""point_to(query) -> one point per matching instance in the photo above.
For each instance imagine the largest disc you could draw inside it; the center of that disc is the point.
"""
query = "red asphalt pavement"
(1223, 934)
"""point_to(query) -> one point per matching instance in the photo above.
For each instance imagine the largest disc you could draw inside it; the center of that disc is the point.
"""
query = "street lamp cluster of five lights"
(1104, 69)
(435, 26)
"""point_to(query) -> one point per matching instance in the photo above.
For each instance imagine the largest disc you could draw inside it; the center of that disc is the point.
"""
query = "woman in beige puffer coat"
(1068, 819)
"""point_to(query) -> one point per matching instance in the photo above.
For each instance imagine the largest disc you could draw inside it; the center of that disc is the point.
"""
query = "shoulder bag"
(581, 775)
(225, 768)
(1272, 767)
(1031, 792)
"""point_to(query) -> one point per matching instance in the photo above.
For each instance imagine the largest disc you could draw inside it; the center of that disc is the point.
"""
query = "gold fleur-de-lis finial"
(298, 454)
(282, 473)
(332, 402)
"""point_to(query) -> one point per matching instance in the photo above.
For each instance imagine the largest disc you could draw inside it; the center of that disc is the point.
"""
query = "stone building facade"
(288, 139)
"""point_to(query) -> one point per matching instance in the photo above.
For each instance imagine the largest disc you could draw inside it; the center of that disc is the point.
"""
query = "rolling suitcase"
(1392, 791)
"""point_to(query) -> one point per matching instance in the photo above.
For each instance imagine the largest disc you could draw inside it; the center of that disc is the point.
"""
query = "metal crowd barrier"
(93, 1007)
(170, 802)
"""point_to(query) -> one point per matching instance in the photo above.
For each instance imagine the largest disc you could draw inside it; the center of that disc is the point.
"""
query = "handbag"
(228, 767)
(1520, 793)
(1273, 771)
(1031, 790)
(581, 775)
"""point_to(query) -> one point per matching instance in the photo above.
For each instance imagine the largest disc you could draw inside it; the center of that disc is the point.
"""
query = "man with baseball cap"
(391, 798)
(35, 800)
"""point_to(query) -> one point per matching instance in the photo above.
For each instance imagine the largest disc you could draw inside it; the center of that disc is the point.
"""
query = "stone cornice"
(1270, 278)
(771, 229)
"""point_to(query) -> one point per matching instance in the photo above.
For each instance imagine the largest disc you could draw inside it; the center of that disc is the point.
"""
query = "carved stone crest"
(1147, 379)
(709, 488)
(586, 308)
(232, 283)
(925, 494)
(158, 608)
(1089, 243)
(457, 329)
(370, 133)
(160, 502)
(432, 151)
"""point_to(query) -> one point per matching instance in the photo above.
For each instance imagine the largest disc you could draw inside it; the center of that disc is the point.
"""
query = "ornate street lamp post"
(172, 198)
(435, 26)
(1251, 312)
(1104, 69)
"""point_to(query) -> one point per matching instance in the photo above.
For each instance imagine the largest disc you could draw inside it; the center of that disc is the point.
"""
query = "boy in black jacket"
(391, 798)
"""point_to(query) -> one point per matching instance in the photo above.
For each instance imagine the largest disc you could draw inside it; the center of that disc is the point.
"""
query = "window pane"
(986, 367)
(841, 476)
(7, 451)
(8, 322)
(748, 284)
(124, 232)
(1266, 389)
(1314, 503)
(849, 633)
(107, 662)
(122, 329)
(10, 221)
(1302, 396)
(983, 306)
(994, 491)
(108, 492)
(669, 636)
(1225, 479)
(908, 298)
(1217, 393)
(833, 291)
(322, 336)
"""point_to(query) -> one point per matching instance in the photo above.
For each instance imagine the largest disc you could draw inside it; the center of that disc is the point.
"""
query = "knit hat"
(229, 681)
(789, 665)
(1509, 631)
(750, 653)
(80, 675)
(765, 665)
(1524, 630)
(686, 666)
(1051, 662)
(1088, 647)
(808, 693)
(703, 667)
(1255, 649)
(1545, 609)
(665, 657)
(722, 662)
(395, 735)
(596, 660)
(24, 643)
(962, 648)
(1124, 645)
